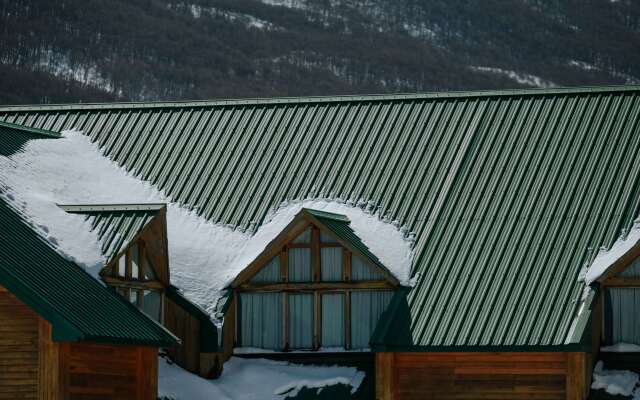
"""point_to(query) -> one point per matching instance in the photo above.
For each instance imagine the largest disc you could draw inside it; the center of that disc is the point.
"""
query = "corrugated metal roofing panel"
(116, 225)
(508, 193)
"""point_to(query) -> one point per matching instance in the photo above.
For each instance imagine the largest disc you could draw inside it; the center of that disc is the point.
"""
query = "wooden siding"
(18, 349)
(187, 328)
(92, 371)
(499, 376)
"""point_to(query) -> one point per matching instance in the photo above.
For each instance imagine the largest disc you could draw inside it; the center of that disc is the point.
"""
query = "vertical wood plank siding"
(19, 352)
(472, 376)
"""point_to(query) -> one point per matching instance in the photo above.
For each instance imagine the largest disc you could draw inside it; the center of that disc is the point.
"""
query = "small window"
(152, 304)
(331, 264)
(269, 273)
(148, 270)
(122, 266)
(299, 265)
(135, 261)
(304, 238)
(363, 271)
(324, 238)
(133, 296)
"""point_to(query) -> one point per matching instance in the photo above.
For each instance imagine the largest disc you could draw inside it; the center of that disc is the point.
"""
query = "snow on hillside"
(252, 379)
(204, 256)
(521, 78)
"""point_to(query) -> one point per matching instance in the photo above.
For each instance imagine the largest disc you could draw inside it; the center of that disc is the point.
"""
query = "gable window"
(133, 276)
(622, 306)
(313, 292)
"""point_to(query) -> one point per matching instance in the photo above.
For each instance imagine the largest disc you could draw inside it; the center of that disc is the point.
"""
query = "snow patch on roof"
(621, 348)
(252, 379)
(204, 257)
(607, 257)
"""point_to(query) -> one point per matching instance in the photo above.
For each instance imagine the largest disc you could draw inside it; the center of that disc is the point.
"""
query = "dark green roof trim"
(79, 307)
(26, 129)
(328, 99)
(327, 215)
(574, 347)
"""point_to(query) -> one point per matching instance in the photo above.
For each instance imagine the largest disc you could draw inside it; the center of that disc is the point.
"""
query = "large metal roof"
(509, 194)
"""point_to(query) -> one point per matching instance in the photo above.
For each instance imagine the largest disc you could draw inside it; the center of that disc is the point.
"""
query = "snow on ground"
(616, 382)
(204, 257)
(621, 348)
(607, 257)
(248, 20)
(250, 379)
(522, 78)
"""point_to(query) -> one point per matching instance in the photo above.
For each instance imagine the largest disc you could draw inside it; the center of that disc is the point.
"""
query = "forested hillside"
(97, 50)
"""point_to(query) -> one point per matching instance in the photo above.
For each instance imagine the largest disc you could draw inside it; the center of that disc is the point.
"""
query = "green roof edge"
(35, 131)
(328, 215)
(327, 99)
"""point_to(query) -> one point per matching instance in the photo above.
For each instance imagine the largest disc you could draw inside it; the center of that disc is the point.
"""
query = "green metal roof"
(116, 224)
(509, 194)
(78, 306)
(340, 226)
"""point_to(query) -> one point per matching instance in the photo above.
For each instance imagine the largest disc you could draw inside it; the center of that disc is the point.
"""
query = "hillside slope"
(93, 50)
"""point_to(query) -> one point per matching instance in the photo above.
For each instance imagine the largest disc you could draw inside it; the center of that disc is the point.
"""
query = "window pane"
(332, 320)
(135, 261)
(363, 271)
(133, 296)
(122, 266)
(304, 238)
(269, 273)
(152, 304)
(301, 321)
(622, 311)
(331, 264)
(148, 270)
(299, 265)
(366, 308)
(324, 238)
(261, 320)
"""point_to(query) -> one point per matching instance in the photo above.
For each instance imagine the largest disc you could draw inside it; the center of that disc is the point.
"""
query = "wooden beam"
(285, 317)
(284, 265)
(48, 357)
(271, 287)
(385, 373)
(150, 285)
(346, 265)
(317, 326)
(576, 377)
(128, 264)
(315, 253)
(621, 282)
(347, 320)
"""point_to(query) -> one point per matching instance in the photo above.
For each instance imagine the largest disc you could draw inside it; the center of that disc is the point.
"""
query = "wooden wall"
(18, 349)
(92, 371)
(498, 376)
(187, 328)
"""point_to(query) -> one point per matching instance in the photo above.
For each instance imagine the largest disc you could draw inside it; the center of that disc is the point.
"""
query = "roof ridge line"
(327, 99)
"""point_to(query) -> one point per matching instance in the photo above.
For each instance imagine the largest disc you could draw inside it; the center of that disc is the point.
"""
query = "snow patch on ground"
(250, 379)
(204, 257)
(607, 257)
(621, 348)
(616, 382)
(249, 21)
(521, 78)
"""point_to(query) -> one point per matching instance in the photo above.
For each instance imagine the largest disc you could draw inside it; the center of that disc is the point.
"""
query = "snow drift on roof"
(607, 257)
(204, 257)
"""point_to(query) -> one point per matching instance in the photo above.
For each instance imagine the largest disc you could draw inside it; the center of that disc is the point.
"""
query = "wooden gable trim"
(306, 286)
(300, 223)
(621, 264)
(154, 238)
(621, 282)
(289, 233)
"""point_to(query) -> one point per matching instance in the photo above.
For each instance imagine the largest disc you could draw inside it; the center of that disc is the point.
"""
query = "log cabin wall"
(498, 376)
(19, 357)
